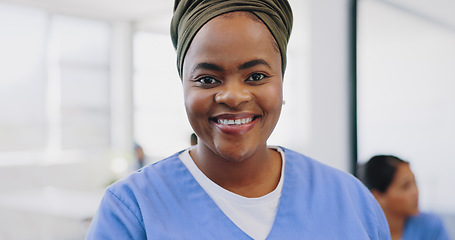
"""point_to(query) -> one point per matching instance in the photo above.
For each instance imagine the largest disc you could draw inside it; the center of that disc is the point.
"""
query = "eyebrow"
(208, 66)
(253, 63)
(214, 67)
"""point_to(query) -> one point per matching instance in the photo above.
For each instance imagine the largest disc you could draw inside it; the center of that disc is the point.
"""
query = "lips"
(235, 123)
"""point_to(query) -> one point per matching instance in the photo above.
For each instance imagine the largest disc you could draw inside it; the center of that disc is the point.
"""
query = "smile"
(234, 122)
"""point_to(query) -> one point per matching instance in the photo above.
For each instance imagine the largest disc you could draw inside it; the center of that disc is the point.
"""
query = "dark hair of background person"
(379, 171)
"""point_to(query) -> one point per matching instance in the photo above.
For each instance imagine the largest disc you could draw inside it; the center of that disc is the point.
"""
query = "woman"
(392, 182)
(231, 57)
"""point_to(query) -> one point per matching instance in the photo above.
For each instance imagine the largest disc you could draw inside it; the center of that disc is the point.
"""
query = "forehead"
(230, 37)
(234, 22)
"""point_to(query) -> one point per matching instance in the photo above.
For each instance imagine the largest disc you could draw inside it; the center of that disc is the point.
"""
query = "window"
(83, 65)
(23, 79)
(54, 87)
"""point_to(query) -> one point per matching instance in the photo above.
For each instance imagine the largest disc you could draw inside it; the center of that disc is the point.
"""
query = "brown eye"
(256, 77)
(207, 80)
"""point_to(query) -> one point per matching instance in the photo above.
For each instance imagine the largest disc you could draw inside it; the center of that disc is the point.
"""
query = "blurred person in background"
(393, 184)
(139, 155)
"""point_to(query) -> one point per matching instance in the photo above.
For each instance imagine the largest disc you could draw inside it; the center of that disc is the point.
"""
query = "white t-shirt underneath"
(255, 216)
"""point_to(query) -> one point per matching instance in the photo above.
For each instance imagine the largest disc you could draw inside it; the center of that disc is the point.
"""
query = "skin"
(400, 200)
(232, 71)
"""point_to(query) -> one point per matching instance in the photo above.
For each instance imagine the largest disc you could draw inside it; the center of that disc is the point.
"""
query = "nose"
(233, 94)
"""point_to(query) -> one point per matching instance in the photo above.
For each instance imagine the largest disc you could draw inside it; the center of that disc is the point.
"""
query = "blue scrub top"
(424, 226)
(164, 201)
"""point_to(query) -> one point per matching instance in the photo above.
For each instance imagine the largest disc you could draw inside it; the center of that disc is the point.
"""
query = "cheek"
(192, 104)
(400, 201)
(197, 105)
(272, 99)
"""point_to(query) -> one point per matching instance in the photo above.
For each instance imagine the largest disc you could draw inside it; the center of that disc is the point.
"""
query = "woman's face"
(232, 84)
(402, 196)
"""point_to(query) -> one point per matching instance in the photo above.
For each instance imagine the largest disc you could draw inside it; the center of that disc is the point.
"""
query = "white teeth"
(235, 122)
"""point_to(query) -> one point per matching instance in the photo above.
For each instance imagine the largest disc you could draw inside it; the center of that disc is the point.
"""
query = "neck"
(254, 176)
(396, 225)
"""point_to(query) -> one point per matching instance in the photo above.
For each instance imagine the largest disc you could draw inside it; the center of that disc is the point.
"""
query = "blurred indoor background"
(84, 83)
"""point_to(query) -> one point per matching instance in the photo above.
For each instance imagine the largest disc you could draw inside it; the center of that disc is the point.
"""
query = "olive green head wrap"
(191, 15)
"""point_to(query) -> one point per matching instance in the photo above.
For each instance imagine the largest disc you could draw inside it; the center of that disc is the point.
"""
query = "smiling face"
(232, 84)
(402, 196)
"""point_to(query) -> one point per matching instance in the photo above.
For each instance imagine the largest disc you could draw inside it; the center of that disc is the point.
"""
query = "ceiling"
(103, 9)
(156, 14)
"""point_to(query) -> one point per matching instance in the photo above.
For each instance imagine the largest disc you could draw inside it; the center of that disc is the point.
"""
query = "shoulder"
(327, 180)
(120, 214)
(149, 185)
(425, 226)
(151, 177)
(426, 219)
(335, 195)
(320, 171)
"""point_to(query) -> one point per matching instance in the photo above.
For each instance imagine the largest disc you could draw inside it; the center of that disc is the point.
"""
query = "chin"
(235, 152)
(234, 155)
(414, 211)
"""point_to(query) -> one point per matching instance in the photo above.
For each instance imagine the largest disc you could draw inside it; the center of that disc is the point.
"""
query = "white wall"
(330, 80)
